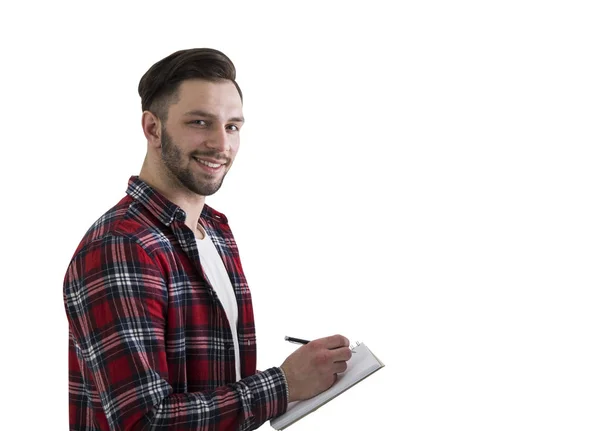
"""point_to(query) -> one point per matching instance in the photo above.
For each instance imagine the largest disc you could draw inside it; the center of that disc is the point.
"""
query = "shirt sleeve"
(116, 302)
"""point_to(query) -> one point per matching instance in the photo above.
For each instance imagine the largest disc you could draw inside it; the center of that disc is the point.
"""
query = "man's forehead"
(211, 97)
(210, 89)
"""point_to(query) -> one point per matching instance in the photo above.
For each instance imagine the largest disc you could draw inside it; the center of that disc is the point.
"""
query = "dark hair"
(158, 87)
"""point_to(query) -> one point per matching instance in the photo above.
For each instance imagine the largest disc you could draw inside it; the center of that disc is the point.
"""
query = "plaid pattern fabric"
(150, 346)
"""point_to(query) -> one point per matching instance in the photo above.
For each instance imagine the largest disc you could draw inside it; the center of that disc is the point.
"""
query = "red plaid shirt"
(150, 346)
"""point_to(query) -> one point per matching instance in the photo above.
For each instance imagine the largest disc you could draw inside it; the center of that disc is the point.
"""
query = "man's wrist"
(287, 387)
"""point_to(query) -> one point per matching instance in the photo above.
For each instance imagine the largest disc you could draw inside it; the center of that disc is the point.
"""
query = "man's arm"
(116, 303)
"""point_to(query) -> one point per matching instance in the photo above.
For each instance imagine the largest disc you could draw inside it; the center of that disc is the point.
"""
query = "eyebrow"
(200, 113)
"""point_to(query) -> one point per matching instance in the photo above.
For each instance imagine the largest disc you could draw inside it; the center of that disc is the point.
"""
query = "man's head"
(192, 114)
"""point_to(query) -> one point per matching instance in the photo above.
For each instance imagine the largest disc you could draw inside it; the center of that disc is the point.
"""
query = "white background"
(422, 178)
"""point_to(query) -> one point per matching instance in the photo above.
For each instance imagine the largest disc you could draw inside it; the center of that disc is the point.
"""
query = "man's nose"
(218, 140)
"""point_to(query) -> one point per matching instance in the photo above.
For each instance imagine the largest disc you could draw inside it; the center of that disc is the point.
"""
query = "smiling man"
(161, 324)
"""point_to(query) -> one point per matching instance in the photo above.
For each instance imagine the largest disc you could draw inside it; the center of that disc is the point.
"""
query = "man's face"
(201, 136)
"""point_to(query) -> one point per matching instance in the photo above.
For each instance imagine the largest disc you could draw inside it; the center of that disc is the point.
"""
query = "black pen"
(296, 340)
(301, 341)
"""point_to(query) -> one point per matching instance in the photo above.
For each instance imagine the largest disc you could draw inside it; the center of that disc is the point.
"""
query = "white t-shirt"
(217, 276)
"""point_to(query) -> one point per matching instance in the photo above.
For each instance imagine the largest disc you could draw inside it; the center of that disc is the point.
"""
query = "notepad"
(362, 364)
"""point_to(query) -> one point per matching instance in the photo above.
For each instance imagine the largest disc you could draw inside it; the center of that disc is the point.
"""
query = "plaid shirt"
(150, 347)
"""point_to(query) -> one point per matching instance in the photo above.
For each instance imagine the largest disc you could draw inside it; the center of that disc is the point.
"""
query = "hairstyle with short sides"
(158, 87)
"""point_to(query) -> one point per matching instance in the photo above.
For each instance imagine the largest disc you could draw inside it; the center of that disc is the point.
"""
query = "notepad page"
(362, 363)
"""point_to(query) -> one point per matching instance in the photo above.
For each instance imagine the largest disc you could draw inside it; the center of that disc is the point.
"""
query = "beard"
(197, 182)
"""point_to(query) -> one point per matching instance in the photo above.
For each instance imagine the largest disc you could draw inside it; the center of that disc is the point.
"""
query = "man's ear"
(151, 126)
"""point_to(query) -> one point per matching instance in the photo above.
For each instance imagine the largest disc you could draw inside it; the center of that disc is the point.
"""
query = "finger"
(335, 341)
(341, 354)
(334, 379)
(339, 367)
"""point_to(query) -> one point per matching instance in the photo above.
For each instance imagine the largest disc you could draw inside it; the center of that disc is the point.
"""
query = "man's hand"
(312, 368)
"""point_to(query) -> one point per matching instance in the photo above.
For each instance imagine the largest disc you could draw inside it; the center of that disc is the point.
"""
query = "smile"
(208, 164)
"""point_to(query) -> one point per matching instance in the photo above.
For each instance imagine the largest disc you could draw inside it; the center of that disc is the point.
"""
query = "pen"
(301, 341)
(296, 340)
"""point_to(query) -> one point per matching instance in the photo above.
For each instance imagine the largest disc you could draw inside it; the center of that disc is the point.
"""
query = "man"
(160, 316)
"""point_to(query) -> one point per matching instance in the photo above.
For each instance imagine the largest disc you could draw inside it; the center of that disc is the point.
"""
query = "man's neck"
(187, 200)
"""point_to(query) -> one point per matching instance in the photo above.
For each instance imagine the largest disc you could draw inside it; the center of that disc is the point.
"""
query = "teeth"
(209, 164)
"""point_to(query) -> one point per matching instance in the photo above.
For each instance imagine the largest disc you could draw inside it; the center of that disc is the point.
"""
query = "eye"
(198, 122)
(233, 128)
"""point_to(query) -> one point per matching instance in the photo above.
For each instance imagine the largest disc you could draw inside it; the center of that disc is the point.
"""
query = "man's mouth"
(209, 164)
(213, 165)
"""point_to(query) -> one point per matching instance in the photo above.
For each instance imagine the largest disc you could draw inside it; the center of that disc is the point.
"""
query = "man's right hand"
(313, 367)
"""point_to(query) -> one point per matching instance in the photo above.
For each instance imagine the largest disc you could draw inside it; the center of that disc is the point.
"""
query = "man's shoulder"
(130, 221)
(212, 214)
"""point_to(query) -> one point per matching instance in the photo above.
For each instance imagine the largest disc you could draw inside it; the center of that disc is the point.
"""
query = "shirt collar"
(165, 210)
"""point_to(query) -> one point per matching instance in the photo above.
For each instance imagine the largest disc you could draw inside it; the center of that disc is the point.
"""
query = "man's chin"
(206, 189)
